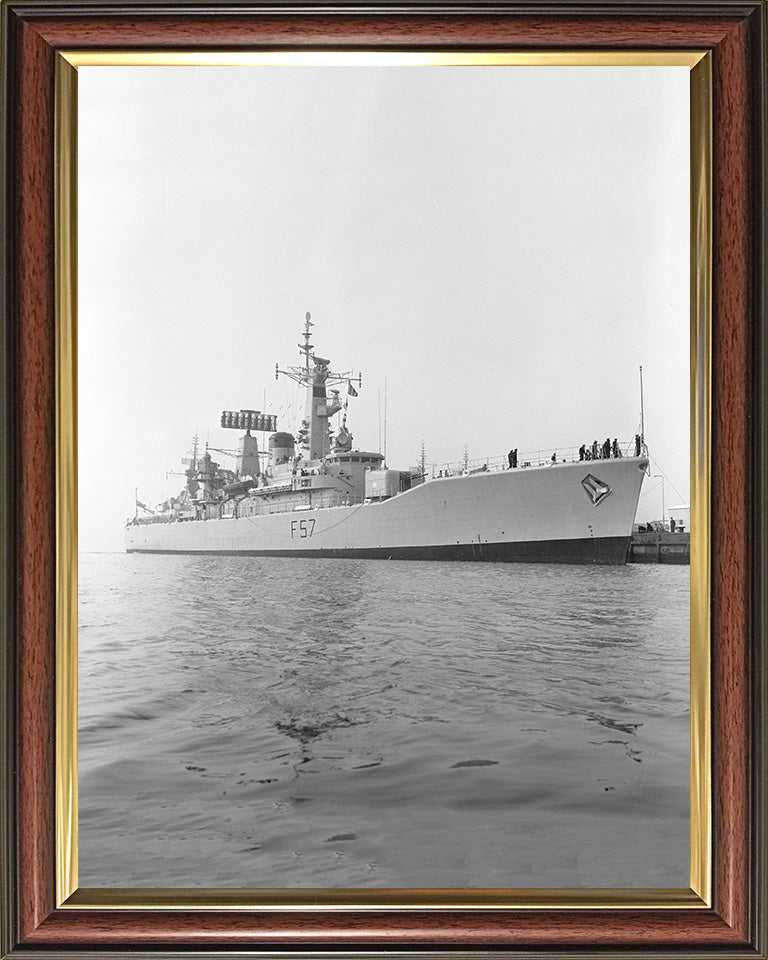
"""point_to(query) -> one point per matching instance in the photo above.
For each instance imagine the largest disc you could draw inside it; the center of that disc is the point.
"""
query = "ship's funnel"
(282, 448)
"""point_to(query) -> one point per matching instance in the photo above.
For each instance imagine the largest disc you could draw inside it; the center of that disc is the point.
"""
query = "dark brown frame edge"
(735, 31)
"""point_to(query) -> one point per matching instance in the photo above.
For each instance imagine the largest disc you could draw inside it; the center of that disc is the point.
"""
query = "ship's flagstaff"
(660, 476)
(385, 420)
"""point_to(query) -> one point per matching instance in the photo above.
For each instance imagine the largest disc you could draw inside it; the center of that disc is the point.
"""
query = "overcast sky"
(504, 245)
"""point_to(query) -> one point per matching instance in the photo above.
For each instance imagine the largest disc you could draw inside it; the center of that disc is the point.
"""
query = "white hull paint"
(530, 514)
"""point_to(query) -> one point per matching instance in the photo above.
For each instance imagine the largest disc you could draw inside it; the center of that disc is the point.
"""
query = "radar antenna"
(306, 374)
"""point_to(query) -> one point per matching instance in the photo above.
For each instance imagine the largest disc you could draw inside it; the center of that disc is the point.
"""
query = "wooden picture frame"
(34, 558)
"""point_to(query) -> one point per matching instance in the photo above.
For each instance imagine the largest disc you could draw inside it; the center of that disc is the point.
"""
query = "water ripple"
(290, 722)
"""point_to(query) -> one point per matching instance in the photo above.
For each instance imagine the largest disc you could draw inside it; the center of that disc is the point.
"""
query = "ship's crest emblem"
(597, 490)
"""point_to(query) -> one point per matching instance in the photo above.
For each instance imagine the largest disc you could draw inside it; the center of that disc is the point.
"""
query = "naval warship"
(316, 494)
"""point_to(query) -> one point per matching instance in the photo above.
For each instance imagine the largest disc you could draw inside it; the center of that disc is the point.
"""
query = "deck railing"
(525, 459)
(319, 501)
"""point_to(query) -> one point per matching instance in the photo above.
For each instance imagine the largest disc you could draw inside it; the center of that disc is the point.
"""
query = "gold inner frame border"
(68, 895)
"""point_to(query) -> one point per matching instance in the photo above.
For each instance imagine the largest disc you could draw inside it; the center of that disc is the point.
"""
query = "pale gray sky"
(505, 245)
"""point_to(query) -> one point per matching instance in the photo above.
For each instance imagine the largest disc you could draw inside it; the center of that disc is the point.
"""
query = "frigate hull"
(580, 512)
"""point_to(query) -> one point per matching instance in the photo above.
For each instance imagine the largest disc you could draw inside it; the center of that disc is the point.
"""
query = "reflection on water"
(295, 722)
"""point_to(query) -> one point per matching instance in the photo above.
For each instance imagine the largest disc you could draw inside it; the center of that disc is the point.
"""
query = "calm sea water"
(343, 723)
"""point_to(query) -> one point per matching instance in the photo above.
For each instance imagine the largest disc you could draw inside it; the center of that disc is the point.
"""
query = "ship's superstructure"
(316, 494)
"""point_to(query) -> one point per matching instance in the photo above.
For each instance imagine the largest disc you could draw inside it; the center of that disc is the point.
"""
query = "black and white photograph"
(384, 431)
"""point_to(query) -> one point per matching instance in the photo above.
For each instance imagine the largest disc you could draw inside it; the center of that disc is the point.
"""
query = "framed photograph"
(384, 479)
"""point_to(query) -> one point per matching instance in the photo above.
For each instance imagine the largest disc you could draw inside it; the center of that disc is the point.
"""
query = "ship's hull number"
(301, 529)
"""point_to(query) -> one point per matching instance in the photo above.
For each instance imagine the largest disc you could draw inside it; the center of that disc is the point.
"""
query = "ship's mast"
(316, 376)
(306, 348)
